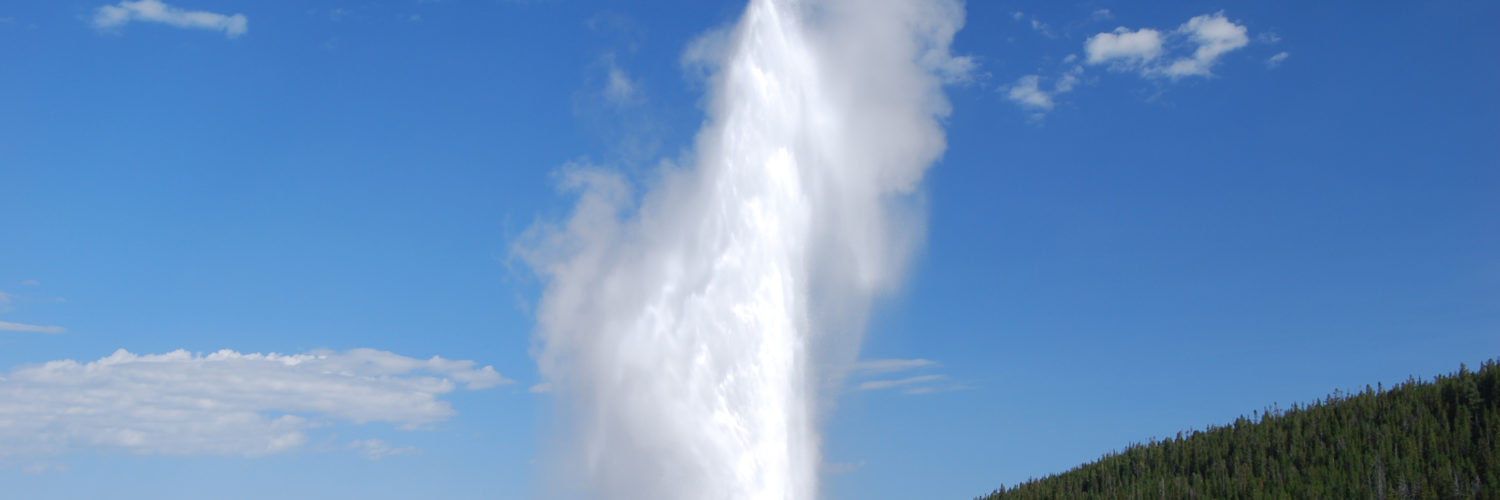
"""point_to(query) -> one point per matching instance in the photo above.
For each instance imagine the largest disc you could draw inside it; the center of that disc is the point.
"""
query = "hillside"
(1434, 439)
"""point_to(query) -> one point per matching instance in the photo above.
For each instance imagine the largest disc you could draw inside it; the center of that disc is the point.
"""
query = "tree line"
(1437, 439)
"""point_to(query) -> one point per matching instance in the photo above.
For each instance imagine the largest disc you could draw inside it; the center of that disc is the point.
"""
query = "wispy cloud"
(904, 382)
(6, 326)
(877, 375)
(1036, 24)
(833, 468)
(876, 366)
(375, 449)
(115, 16)
(43, 468)
(224, 403)
(626, 36)
(1275, 61)
(619, 89)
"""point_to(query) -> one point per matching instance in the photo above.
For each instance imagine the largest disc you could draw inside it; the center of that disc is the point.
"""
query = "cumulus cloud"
(224, 403)
(1028, 92)
(1148, 52)
(1124, 46)
(1215, 36)
(1209, 35)
(6, 326)
(115, 16)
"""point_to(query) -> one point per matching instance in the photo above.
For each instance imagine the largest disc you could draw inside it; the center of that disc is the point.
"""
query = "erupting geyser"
(688, 332)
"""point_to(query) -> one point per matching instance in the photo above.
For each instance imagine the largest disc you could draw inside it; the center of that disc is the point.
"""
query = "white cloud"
(885, 370)
(833, 468)
(1215, 36)
(43, 468)
(1027, 91)
(114, 16)
(375, 449)
(31, 283)
(6, 326)
(1068, 81)
(1276, 60)
(1036, 24)
(540, 388)
(1210, 35)
(1041, 27)
(1124, 46)
(224, 403)
(873, 366)
(896, 383)
(1102, 15)
(618, 87)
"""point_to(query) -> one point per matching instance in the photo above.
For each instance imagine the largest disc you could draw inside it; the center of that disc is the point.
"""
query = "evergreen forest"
(1437, 439)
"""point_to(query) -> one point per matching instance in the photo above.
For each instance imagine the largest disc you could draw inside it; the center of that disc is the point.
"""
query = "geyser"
(688, 332)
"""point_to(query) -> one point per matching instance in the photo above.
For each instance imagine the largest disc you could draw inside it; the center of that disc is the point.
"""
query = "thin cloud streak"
(889, 384)
(6, 326)
(875, 366)
(1275, 61)
(115, 16)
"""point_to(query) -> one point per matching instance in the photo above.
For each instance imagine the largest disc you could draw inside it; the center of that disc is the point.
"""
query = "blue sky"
(1116, 249)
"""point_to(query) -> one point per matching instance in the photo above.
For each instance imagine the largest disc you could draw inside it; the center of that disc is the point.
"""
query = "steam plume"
(689, 331)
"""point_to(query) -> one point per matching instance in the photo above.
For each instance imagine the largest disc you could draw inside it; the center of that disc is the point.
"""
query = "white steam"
(688, 333)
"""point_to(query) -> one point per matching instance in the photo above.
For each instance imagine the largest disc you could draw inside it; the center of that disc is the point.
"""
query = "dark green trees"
(1426, 440)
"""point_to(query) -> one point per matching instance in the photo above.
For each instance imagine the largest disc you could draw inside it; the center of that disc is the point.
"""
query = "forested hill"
(1420, 439)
